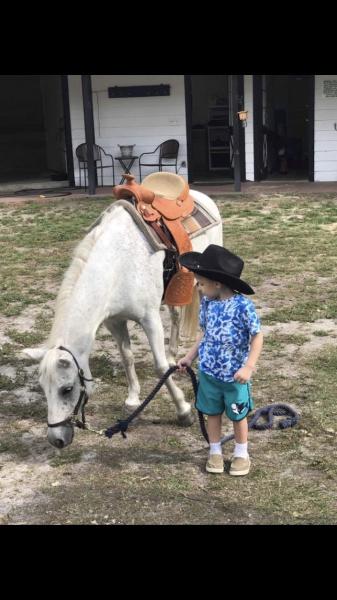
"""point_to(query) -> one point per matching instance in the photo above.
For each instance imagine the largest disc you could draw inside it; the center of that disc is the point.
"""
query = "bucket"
(126, 151)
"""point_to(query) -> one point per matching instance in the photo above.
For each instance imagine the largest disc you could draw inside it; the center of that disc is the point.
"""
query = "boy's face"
(208, 287)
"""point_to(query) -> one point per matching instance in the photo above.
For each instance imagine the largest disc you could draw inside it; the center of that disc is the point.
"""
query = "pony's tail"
(190, 317)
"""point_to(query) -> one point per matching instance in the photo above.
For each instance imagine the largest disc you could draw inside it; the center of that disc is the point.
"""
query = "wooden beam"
(236, 133)
(89, 131)
(188, 111)
(67, 130)
(257, 121)
(242, 130)
(311, 129)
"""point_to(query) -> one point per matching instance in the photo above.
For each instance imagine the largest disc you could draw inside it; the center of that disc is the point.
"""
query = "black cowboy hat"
(219, 264)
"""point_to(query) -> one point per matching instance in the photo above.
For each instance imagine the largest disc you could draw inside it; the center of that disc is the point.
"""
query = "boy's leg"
(210, 402)
(238, 404)
(241, 431)
(241, 463)
(214, 428)
(215, 461)
(241, 438)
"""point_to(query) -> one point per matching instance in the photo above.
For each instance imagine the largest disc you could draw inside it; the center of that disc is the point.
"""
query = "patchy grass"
(12, 444)
(320, 333)
(6, 383)
(36, 242)
(157, 475)
(73, 456)
(25, 338)
(278, 341)
(101, 367)
(35, 410)
(7, 352)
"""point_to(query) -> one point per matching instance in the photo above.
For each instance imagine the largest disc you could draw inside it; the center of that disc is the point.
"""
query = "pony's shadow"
(147, 453)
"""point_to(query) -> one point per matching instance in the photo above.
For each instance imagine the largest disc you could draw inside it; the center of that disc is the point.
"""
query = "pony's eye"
(66, 390)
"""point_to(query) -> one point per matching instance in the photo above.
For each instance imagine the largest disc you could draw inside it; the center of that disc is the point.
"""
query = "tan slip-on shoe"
(215, 463)
(239, 466)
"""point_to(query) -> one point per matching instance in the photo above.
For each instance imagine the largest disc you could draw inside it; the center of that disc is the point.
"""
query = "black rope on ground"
(122, 424)
(267, 412)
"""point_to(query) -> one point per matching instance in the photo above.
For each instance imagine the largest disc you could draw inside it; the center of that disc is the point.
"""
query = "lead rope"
(122, 424)
(268, 412)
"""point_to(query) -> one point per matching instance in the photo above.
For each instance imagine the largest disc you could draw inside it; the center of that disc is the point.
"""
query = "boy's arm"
(191, 354)
(256, 344)
(244, 374)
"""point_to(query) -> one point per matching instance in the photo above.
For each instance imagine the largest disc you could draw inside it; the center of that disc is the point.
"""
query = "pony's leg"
(120, 333)
(153, 328)
(175, 314)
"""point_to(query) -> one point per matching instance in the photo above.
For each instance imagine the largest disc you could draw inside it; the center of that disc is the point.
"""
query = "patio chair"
(168, 151)
(99, 153)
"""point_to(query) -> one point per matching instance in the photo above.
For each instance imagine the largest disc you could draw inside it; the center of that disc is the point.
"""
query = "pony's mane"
(80, 257)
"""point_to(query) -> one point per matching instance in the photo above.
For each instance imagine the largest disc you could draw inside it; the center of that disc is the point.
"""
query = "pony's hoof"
(186, 420)
(128, 409)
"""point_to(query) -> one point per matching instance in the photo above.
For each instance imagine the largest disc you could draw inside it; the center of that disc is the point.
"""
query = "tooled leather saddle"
(163, 199)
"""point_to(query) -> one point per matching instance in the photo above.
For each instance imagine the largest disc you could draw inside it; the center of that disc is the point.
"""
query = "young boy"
(228, 347)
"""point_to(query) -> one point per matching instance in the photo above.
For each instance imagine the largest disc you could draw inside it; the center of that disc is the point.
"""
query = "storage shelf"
(219, 149)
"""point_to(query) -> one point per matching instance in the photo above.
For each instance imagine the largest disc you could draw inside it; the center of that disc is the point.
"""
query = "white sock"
(241, 450)
(215, 448)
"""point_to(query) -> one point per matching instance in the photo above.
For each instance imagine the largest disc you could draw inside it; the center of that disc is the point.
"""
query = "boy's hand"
(183, 363)
(244, 374)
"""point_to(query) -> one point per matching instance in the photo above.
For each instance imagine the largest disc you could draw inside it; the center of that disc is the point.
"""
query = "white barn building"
(290, 131)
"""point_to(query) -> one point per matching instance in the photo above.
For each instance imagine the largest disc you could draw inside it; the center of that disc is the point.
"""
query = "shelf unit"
(219, 148)
(219, 139)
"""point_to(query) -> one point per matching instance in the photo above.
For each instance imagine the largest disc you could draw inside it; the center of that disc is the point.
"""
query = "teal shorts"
(215, 397)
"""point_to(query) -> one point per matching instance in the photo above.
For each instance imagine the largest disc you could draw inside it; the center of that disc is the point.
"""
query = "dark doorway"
(32, 129)
(283, 126)
(209, 128)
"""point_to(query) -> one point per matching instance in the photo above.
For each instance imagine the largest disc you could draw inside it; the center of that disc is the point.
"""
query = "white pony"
(115, 276)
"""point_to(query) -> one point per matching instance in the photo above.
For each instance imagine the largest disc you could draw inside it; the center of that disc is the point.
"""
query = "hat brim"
(193, 262)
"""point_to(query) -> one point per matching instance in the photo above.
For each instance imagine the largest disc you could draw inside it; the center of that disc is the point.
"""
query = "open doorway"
(283, 145)
(209, 128)
(32, 132)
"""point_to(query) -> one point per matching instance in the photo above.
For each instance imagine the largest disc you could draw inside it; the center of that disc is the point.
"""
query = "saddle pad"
(194, 224)
(151, 236)
(199, 220)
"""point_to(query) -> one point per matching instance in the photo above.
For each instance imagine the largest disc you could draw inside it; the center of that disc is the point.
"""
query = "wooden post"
(67, 130)
(236, 133)
(89, 131)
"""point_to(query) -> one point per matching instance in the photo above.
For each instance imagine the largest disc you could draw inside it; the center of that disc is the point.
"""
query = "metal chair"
(167, 151)
(82, 155)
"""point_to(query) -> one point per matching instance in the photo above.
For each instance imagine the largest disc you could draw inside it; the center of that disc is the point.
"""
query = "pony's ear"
(34, 353)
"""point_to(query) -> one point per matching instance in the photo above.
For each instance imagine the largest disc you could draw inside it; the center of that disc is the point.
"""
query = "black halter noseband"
(83, 399)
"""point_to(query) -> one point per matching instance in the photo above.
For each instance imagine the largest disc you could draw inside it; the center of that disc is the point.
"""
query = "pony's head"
(64, 381)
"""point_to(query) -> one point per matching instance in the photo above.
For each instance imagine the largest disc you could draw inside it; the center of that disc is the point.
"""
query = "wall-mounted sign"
(138, 91)
(330, 88)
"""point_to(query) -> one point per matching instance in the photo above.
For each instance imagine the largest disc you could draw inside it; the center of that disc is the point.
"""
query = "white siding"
(249, 130)
(145, 122)
(325, 134)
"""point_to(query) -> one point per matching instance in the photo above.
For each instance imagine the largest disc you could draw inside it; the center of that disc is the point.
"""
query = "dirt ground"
(157, 475)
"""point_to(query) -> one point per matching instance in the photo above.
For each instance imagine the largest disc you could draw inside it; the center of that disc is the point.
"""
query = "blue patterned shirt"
(228, 326)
